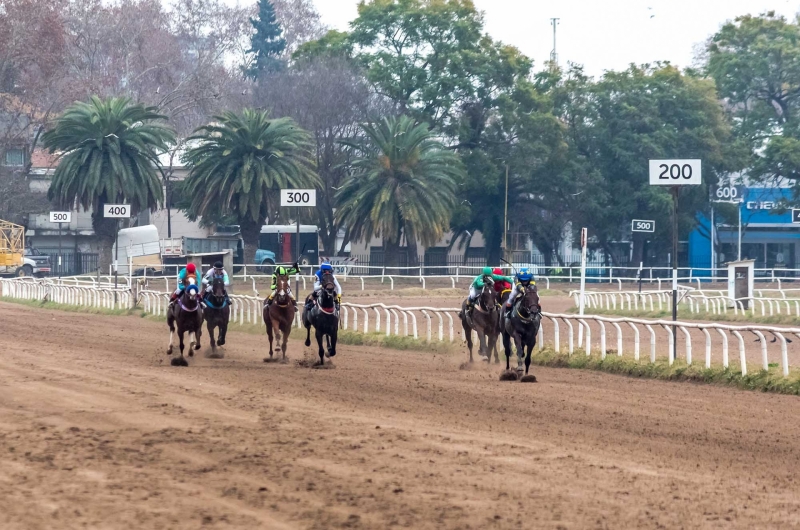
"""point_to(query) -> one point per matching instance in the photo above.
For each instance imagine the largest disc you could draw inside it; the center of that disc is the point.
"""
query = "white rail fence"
(562, 332)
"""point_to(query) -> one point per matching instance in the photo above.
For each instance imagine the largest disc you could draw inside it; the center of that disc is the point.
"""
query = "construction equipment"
(12, 246)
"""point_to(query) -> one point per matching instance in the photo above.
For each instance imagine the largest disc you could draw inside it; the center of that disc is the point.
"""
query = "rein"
(180, 302)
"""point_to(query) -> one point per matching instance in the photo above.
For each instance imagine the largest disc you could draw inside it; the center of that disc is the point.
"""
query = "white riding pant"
(472, 292)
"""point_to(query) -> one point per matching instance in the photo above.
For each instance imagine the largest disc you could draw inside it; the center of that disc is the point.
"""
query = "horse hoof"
(528, 379)
(197, 346)
(221, 342)
(179, 361)
(169, 350)
(308, 343)
(509, 375)
(332, 353)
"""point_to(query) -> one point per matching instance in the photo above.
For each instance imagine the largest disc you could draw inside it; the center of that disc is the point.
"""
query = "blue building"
(768, 237)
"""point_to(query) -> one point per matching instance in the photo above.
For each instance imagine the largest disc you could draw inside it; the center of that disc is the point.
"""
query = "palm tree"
(403, 183)
(238, 167)
(108, 153)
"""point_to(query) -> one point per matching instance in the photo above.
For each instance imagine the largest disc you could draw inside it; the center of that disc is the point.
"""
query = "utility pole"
(554, 54)
(505, 220)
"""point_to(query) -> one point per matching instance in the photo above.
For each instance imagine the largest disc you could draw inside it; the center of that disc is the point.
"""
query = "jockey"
(218, 271)
(283, 271)
(190, 271)
(323, 269)
(478, 283)
(523, 278)
(500, 287)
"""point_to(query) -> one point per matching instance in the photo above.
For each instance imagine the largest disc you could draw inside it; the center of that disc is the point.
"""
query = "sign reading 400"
(119, 211)
(675, 172)
(298, 197)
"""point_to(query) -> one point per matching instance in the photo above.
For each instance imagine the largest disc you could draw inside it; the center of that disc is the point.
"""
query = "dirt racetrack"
(98, 431)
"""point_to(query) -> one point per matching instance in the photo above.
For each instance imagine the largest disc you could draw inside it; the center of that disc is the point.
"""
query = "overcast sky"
(600, 34)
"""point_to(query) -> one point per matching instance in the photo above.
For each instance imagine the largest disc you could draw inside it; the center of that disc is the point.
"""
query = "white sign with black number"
(60, 217)
(298, 197)
(117, 211)
(675, 172)
(639, 225)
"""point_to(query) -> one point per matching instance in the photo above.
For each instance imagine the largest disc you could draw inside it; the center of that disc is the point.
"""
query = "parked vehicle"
(15, 258)
(277, 244)
(139, 248)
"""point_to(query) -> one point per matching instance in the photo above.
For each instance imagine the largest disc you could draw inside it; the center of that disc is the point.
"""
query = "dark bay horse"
(324, 316)
(217, 312)
(522, 326)
(188, 315)
(485, 320)
(279, 315)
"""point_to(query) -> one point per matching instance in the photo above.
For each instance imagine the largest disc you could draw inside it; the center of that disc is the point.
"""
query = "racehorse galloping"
(188, 315)
(279, 315)
(522, 326)
(324, 316)
(217, 312)
(485, 320)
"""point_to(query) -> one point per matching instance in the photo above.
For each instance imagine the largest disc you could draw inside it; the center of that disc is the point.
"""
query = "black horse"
(217, 312)
(522, 325)
(324, 316)
(188, 315)
(484, 319)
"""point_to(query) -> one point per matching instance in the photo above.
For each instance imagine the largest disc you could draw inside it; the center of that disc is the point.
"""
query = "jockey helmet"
(498, 271)
(281, 271)
(218, 265)
(487, 271)
(190, 268)
(325, 267)
(524, 275)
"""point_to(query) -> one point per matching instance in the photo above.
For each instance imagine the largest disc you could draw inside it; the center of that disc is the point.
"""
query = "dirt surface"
(98, 431)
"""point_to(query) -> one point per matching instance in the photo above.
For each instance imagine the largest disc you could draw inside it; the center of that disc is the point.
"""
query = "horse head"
(191, 295)
(488, 298)
(282, 288)
(328, 290)
(218, 287)
(530, 302)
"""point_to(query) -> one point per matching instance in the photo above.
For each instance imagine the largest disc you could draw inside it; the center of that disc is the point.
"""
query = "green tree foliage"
(755, 62)
(267, 44)
(403, 184)
(238, 166)
(108, 153)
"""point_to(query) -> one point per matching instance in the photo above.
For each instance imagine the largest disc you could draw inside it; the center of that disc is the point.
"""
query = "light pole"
(505, 220)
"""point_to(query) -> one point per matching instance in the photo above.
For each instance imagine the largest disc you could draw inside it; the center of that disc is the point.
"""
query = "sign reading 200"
(674, 171)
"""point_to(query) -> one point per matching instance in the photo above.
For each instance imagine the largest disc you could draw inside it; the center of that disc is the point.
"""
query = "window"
(14, 157)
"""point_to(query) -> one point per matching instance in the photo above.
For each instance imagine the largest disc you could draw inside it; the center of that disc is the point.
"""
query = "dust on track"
(97, 430)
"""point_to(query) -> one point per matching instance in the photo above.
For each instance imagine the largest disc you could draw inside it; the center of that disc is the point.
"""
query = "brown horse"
(279, 315)
(188, 315)
(485, 320)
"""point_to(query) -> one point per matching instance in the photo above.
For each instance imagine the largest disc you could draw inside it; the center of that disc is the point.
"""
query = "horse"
(217, 313)
(324, 316)
(522, 325)
(485, 320)
(188, 315)
(279, 315)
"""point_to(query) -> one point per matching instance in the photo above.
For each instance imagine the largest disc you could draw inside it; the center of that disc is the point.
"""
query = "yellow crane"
(12, 245)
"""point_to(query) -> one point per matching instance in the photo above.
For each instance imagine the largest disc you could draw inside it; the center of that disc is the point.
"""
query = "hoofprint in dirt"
(98, 432)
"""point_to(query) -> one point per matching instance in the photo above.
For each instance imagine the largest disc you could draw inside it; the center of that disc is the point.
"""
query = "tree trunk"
(250, 233)
(413, 248)
(391, 251)
(106, 232)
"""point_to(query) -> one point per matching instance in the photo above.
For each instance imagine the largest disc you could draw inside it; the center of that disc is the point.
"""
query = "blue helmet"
(524, 275)
(326, 267)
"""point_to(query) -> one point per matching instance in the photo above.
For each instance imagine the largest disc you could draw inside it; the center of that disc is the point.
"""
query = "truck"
(175, 250)
(277, 244)
(15, 258)
(140, 249)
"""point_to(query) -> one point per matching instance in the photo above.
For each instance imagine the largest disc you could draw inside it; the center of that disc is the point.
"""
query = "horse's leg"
(482, 342)
(210, 328)
(223, 327)
(180, 340)
(318, 333)
(285, 337)
(270, 334)
(528, 356)
(171, 324)
(520, 350)
(507, 348)
(308, 331)
(198, 334)
(468, 336)
(333, 338)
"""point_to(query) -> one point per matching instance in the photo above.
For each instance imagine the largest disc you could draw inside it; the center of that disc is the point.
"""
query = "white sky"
(600, 34)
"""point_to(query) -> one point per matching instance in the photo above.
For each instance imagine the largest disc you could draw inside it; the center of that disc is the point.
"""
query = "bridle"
(528, 307)
(488, 289)
(282, 290)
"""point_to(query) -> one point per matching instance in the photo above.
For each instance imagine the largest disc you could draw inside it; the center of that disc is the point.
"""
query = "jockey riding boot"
(470, 304)
(294, 303)
(269, 299)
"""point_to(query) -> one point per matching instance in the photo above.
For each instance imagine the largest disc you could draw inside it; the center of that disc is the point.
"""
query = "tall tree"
(755, 62)
(267, 43)
(108, 153)
(239, 165)
(403, 184)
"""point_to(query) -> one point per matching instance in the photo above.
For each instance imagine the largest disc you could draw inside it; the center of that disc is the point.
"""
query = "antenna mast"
(554, 54)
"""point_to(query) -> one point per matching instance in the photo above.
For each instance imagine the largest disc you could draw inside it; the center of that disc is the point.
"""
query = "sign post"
(582, 301)
(730, 194)
(116, 211)
(675, 173)
(60, 218)
(302, 198)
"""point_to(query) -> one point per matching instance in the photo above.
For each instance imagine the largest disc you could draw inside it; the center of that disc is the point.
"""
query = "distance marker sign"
(298, 197)
(796, 216)
(675, 172)
(118, 211)
(640, 225)
(60, 217)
